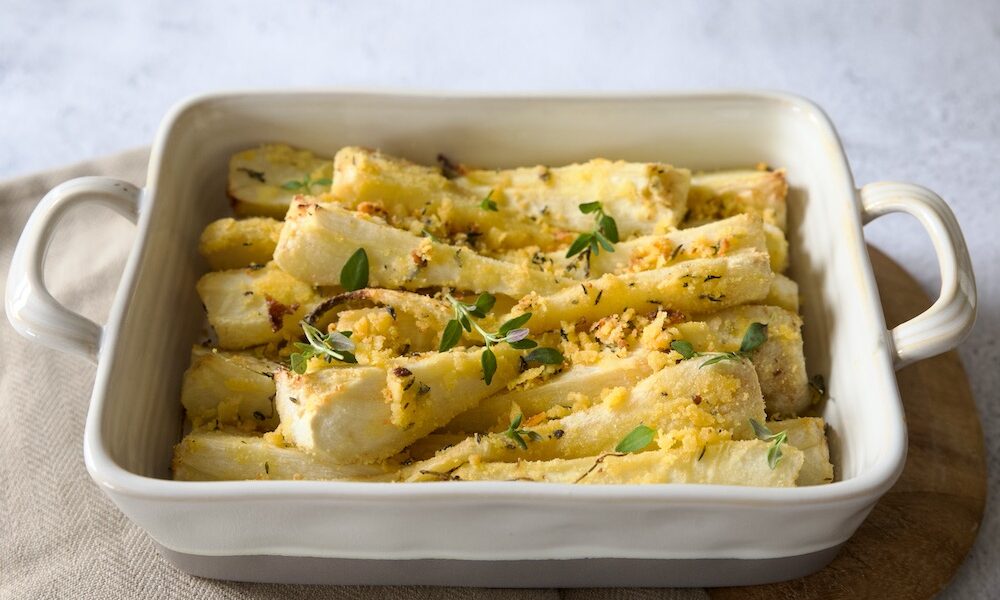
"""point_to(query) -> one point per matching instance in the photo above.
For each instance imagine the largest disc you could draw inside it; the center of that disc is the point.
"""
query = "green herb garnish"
(776, 439)
(604, 234)
(515, 432)
(753, 338)
(755, 335)
(546, 356)
(332, 346)
(488, 203)
(354, 274)
(512, 332)
(636, 440)
(305, 184)
(684, 348)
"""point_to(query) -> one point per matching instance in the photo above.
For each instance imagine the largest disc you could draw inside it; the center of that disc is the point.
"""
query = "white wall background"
(914, 88)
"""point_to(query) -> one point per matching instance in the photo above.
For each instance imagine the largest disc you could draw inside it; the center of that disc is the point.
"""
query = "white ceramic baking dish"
(493, 533)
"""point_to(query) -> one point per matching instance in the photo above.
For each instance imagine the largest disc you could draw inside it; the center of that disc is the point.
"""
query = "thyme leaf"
(452, 334)
(546, 356)
(636, 440)
(488, 203)
(489, 362)
(756, 334)
(354, 274)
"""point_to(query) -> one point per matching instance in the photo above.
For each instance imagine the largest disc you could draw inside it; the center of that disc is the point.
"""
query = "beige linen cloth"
(60, 537)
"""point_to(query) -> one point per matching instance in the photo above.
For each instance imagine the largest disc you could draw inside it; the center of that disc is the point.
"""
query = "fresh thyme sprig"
(515, 432)
(604, 234)
(305, 184)
(512, 332)
(332, 346)
(755, 335)
(636, 440)
(776, 439)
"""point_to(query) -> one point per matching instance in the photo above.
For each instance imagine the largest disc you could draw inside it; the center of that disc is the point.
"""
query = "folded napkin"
(60, 537)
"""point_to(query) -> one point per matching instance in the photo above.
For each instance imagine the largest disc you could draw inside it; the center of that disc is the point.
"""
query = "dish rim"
(875, 480)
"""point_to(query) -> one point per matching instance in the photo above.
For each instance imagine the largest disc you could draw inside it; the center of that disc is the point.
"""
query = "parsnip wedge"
(784, 292)
(229, 389)
(643, 198)
(580, 380)
(735, 234)
(262, 181)
(808, 434)
(347, 414)
(221, 455)
(780, 362)
(427, 392)
(726, 193)
(721, 463)
(699, 285)
(416, 197)
(319, 238)
(231, 244)
(725, 395)
(777, 247)
(255, 306)
(742, 232)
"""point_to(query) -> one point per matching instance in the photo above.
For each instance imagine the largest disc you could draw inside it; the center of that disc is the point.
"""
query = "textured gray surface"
(914, 88)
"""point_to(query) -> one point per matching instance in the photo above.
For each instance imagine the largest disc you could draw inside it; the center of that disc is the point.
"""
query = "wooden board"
(920, 531)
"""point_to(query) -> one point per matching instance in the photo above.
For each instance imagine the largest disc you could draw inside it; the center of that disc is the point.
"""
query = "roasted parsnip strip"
(739, 233)
(723, 463)
(347, 414)
(585, 380)
(780, 362)
(698, 285)
(784, 292)
(221, 455)
(725, 395)
(726, 193)
(643, 198)
(254, 306)
(777, 247)
(229, 389)
(317, 240)
(808, 434)
(742, 232)
(263, 181)
(416, 197)
(427, 392)
(231, 244)
(431, 444)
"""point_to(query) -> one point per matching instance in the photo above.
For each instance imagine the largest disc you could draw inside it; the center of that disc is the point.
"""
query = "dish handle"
(31, 309)
(946, 323)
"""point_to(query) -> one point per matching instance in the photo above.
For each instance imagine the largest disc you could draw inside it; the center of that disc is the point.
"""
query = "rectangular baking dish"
(493, 533)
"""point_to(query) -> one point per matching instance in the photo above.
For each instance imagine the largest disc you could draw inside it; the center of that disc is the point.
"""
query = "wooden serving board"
(920, 531)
